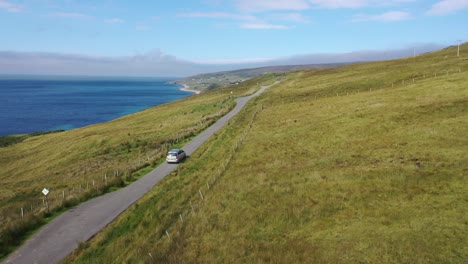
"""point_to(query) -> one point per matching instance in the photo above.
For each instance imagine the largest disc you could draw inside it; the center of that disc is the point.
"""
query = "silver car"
(175, 156)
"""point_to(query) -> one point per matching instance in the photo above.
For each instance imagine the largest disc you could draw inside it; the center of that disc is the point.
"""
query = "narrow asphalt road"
(60, 237)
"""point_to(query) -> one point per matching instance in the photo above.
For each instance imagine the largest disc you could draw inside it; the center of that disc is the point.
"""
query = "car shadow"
(185, 159)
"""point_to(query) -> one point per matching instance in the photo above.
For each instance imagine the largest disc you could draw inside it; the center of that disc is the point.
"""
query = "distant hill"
(210, 81)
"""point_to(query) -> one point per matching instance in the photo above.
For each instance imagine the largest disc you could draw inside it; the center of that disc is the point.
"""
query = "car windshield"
(172, 154)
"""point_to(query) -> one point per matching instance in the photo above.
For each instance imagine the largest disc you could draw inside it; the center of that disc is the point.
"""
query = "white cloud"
(448, 6)
(157, 63)
(356, 56)
(340, 3)
(263, 26)
(142, 28)
(248, 21)
(357, 3)
(293, 17)
(387, 17)
(233, 61)
(267, 5)
(10, 7)
(114, 21)
(218, 15)
(67, 15)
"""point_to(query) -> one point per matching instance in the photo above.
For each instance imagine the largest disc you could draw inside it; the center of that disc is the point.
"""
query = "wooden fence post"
(191, 205)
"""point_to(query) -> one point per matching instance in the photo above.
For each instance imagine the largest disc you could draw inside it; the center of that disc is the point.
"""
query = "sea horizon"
(82, 77)
(41, 103)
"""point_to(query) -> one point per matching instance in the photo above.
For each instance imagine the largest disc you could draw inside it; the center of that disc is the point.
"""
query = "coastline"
(95, 112)
(186, 88)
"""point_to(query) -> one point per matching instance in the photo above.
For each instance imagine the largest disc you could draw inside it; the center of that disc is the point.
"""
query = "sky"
(186, 37)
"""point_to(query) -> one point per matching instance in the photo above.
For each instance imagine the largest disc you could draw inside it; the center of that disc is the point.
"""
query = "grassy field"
(79, 164)
(365, 163)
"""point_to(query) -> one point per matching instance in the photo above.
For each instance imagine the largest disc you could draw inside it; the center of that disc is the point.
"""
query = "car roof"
(174, 150)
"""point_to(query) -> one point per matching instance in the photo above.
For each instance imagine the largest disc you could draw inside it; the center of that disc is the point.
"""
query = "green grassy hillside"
(78, 164)
(365, 163)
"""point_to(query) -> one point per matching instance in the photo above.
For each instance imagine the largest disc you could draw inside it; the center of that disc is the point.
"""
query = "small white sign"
(45, 191)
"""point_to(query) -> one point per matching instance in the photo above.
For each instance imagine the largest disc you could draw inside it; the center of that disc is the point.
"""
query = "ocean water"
(29, 104)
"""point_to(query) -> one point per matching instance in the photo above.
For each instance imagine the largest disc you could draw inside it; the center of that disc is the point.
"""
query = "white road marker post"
(45, 191)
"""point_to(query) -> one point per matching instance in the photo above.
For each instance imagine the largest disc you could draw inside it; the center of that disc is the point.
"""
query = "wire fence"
(195, 205)
(17, 220)
(414, 78)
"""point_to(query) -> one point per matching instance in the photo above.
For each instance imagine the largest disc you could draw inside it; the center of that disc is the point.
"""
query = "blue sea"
(34, 104)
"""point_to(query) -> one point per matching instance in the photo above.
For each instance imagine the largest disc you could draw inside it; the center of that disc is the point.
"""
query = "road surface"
(60, 237)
